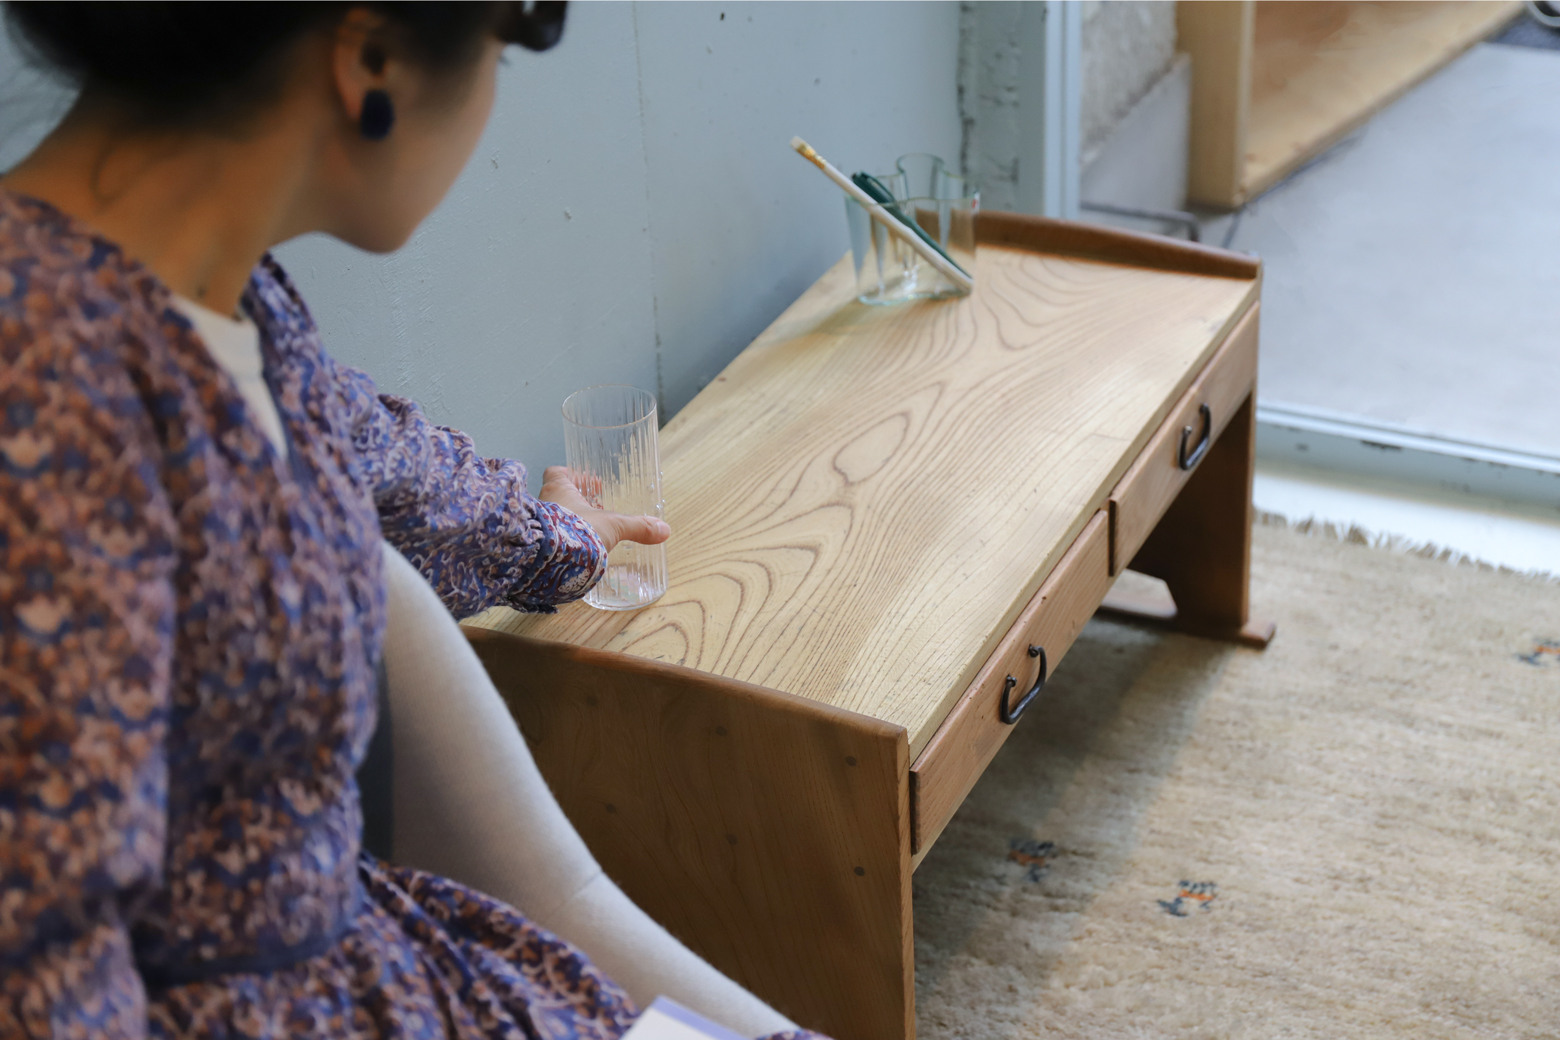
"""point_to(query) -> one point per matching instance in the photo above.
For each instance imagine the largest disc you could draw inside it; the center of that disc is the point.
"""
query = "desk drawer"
(968, 739)
(1172, 454)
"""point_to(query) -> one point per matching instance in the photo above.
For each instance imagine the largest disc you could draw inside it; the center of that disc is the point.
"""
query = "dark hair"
(176, 63)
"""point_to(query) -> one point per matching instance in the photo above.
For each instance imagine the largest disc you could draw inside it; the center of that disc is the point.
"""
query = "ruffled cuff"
(571, 557)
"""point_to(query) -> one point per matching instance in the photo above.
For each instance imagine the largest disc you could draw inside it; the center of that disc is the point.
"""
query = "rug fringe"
(1397, 543)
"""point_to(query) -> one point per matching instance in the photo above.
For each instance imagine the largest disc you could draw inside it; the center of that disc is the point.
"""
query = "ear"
(359, 58)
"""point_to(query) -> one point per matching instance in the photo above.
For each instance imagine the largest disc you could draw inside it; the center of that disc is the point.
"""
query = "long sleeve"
(467, 522)
(86, 637)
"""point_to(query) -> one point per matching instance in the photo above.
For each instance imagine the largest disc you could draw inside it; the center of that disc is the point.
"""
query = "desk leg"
(1201, 547)
(769, 833)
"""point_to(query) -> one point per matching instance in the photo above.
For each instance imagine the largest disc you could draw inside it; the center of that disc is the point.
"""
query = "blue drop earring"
(377, 116)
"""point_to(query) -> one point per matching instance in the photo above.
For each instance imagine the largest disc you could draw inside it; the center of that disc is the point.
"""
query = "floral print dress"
(189, 626)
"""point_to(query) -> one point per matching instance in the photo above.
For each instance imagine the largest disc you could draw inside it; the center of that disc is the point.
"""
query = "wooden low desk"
(885, 520)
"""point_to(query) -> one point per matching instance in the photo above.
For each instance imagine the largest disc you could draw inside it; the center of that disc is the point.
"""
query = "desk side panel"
(767, 832)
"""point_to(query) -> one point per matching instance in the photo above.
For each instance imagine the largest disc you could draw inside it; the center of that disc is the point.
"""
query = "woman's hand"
(568, 489)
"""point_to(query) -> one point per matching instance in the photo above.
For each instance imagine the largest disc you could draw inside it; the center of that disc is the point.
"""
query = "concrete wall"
(1143, 162)
(1019, 81)
(1121, 122)
(1128, 45)
(1135, 112)
(991, 66)
(633, 213)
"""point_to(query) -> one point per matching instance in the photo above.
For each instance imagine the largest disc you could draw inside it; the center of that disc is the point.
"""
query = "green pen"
(883, 197)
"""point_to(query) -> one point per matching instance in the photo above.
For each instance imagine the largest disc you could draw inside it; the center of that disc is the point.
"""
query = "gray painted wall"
(633, 213)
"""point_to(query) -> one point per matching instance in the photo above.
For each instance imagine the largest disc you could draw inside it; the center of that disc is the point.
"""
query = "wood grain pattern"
(768, 832)
(1156, 478)
(1321, 69)
(866, 498)
(1218, 34)
(973, 732)
(1277, 82)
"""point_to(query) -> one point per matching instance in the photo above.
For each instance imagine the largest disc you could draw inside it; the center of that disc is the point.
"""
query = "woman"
(192, 495)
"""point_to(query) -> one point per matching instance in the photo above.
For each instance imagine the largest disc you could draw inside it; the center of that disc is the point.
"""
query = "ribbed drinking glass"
(610, 441)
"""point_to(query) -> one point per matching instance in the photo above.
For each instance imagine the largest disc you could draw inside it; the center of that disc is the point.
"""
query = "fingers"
(557, 475)
(646, 530)
(570, 489)
(555, 481)
(559, 481)
(580, 492)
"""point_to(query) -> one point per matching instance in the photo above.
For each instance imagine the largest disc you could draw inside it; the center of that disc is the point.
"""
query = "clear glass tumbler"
(925, 176)
(890, 271)
(611, 442)
(944, 204)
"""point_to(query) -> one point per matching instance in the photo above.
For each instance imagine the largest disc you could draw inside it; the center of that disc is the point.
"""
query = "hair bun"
(179, 61)
(157, 51)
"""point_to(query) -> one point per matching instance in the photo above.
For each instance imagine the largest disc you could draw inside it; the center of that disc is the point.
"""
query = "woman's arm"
(86, 619)
(467, 522)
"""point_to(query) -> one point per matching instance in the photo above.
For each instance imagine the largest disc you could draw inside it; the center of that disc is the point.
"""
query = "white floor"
(1504, 535)
(1412, 274)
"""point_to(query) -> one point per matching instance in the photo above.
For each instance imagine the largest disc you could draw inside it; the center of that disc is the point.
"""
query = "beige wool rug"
(1355, 833)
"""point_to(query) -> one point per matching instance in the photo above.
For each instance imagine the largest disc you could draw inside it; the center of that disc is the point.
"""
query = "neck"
(197, 209)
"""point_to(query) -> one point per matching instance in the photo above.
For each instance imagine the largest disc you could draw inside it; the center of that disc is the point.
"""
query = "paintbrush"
(901, 227)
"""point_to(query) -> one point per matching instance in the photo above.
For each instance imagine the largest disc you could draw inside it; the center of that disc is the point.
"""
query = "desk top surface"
(865, 499)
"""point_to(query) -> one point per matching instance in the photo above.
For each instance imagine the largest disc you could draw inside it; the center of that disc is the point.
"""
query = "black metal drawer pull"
(1188, 461)
(1010, 714)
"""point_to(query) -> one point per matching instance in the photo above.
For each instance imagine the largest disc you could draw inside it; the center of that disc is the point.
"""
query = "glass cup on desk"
(611, 442)
(924, 176)
(943, 204)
